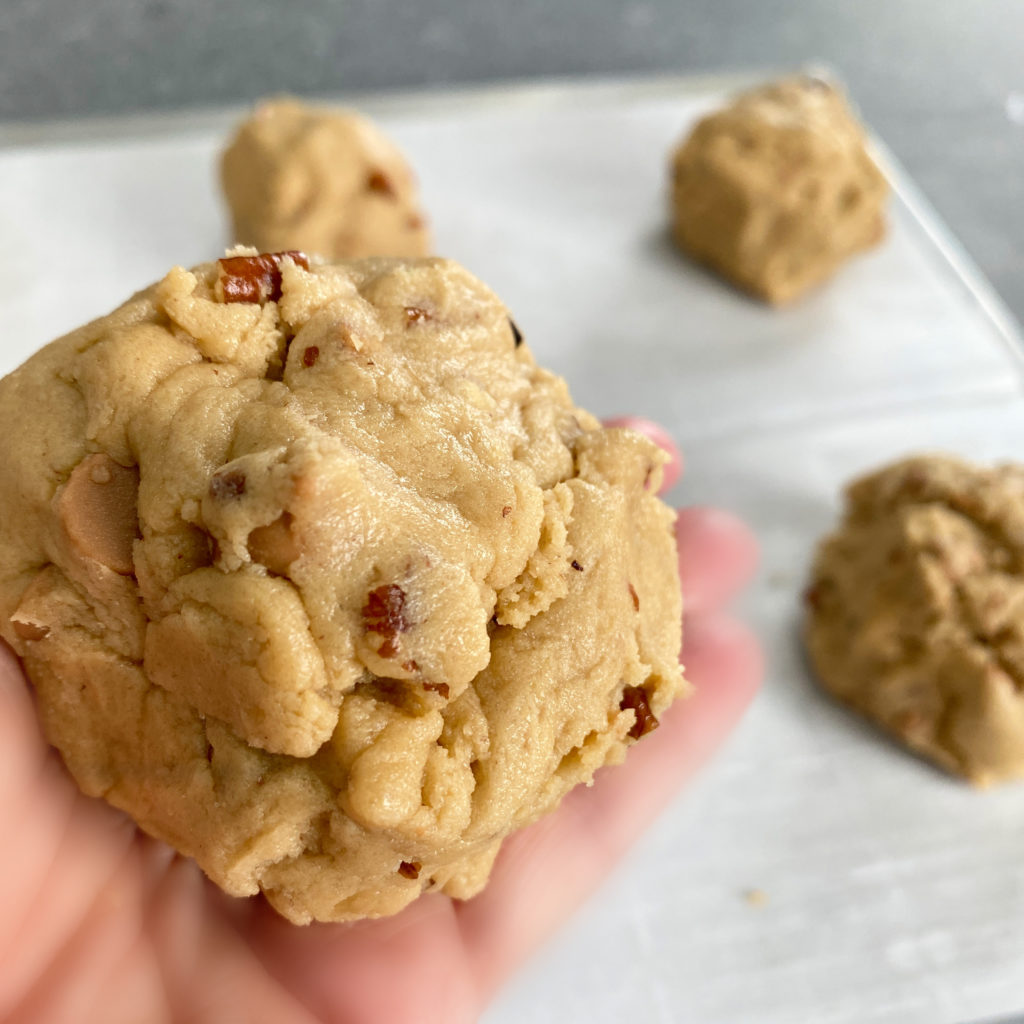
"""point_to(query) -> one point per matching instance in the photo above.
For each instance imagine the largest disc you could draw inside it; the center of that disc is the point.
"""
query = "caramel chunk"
(255, 278)
(635, 698)
(409, 869)
(98, 510)
(275, 545)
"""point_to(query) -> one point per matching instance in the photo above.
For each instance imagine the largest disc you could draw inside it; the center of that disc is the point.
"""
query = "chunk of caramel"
(275, 545)
(98, 508)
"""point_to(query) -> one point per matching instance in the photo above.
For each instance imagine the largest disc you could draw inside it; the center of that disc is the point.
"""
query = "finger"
(545, 871)
(67, 849)
(376, 970)
(21, 742)
(661, 437)
(718, 554)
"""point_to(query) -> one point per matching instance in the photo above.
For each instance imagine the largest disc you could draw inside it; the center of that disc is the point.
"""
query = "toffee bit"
(227, 485)
(517, 335)
(410, 869)
(635, 698)
(441, 688)
(255, 278)
(379, 182)
(310, 355)
(576, 565)
(506, 512)
(633, 594)
(416, 315)
(410, 665)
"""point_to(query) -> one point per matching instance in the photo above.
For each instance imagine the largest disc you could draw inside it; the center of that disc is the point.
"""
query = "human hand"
(100, 923)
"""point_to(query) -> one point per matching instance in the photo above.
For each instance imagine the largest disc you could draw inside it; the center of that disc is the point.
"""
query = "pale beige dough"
(778, 189)
(326, 181)
(333, 588)
(915, 611)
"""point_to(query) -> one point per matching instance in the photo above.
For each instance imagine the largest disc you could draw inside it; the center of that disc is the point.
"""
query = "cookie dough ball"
(321, 180)
(915, 611)
(324, 581)
(775, 191)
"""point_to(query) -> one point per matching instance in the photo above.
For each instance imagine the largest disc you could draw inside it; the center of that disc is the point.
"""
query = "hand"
(99, 923)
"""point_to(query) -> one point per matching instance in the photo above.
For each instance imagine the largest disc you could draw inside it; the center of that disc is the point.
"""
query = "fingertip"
(22, 747)
(723, 659)
(718, 555)
(661, 437)
(14, 688)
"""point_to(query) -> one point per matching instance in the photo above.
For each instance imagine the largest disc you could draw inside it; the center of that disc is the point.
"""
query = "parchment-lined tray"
(893, 893)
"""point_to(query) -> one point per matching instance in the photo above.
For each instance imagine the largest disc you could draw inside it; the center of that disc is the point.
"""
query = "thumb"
(22, 747)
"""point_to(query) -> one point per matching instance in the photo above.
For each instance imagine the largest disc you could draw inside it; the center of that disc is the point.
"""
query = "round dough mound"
(324, 581)
(778, 189)
(321, 180)
(916, 611)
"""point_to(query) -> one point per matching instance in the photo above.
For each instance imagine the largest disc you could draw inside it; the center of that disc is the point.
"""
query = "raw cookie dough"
(915, 611)
(778, 189)
(324, 581)
(321, 180)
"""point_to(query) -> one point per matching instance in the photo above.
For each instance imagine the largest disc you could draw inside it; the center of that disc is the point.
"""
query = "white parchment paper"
(892, 894)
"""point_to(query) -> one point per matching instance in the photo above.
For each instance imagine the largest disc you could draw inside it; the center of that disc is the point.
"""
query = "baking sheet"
(893, 894)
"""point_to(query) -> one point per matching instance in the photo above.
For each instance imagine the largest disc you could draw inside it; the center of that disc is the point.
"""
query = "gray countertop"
(942, 81)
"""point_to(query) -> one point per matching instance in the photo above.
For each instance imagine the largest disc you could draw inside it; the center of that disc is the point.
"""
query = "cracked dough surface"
(916, 611)
(330, 586)
(778, 189)
(326, 181)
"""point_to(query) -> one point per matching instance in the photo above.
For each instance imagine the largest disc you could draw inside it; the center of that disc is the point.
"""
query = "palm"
(100, 923)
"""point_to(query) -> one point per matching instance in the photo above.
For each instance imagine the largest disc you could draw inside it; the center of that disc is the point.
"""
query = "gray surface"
(938, 79)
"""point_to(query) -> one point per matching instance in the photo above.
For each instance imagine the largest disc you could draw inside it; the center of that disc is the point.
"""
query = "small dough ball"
(778, 189)
(915, 611)
(320, 180)
(324, 581)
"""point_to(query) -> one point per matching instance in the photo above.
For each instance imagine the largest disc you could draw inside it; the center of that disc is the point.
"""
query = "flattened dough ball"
(915, 611)
(324, 581)
(321, 180)
(778, 189)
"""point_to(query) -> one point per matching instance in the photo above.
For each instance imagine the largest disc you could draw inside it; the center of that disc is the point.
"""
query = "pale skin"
(99, 923)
